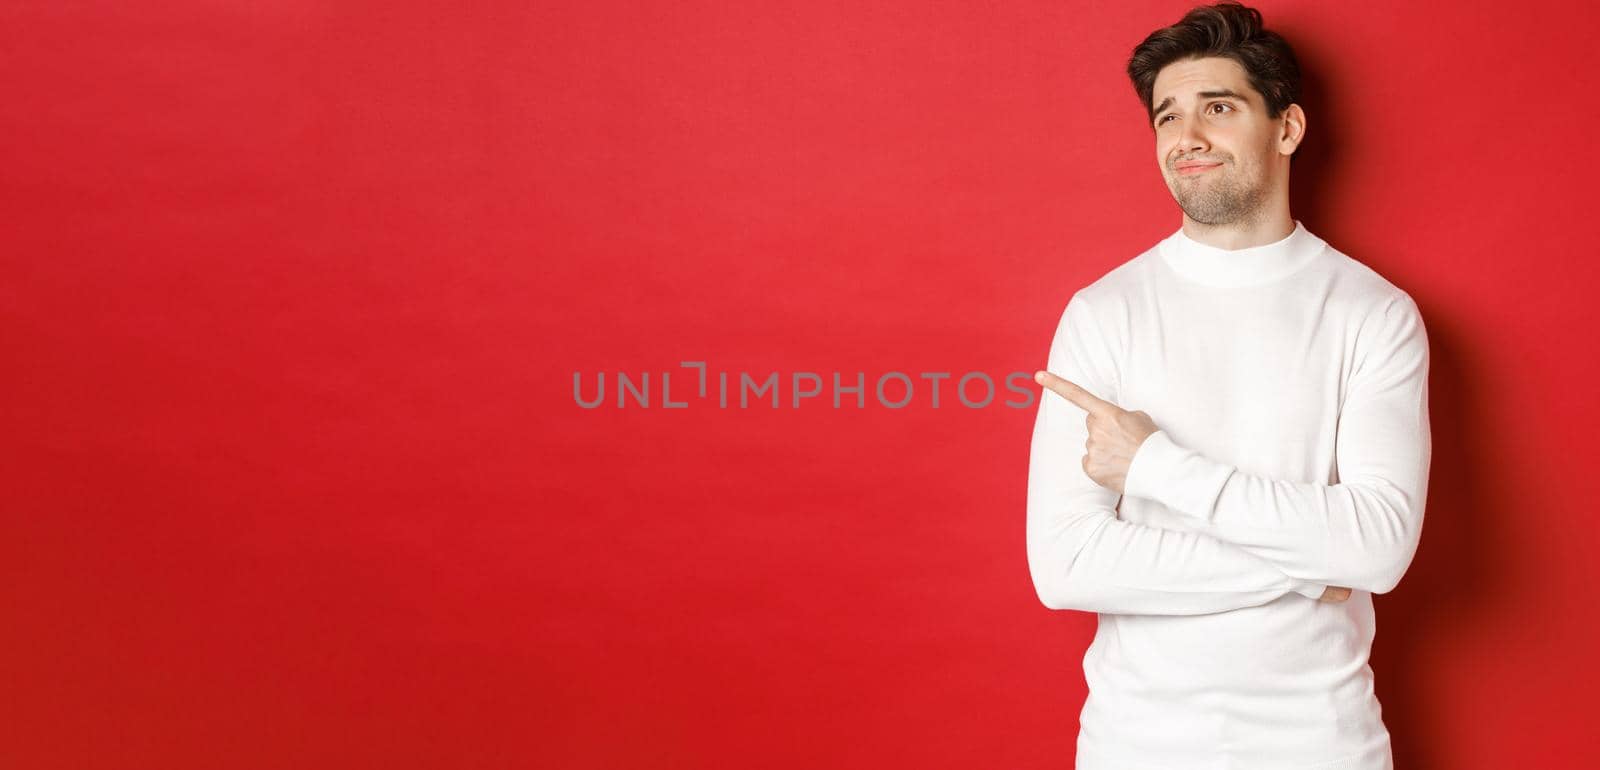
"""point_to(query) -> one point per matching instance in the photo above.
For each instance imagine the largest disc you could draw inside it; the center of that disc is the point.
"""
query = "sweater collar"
(1250, 266)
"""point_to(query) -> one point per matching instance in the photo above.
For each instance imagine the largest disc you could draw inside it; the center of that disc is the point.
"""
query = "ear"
(1293, 129)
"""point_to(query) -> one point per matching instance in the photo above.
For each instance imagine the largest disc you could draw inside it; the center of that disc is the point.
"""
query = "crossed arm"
(1258, 538)
(1082, 557)
(1361, 532)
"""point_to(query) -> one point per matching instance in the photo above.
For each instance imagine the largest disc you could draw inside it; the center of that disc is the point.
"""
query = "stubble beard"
(1220, 200)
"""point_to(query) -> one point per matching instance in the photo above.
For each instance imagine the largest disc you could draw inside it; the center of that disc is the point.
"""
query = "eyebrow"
(1167, 102)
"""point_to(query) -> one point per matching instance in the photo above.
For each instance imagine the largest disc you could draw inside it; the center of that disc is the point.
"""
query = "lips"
(1195, 167)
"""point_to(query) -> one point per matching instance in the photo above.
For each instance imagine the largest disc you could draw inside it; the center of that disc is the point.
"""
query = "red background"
(293, 296)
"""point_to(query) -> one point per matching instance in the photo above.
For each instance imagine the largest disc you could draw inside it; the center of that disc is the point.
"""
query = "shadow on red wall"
(1455, 577)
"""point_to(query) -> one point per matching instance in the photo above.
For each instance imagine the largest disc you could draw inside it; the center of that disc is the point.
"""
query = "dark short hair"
(1227, 30)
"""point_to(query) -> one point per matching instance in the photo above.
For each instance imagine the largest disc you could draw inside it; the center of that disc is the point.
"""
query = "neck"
(1256, 230)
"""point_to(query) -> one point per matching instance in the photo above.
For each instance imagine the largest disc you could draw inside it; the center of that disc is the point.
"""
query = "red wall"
(293, 297)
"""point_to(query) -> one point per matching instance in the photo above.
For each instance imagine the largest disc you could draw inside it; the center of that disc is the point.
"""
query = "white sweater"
(1290, 385)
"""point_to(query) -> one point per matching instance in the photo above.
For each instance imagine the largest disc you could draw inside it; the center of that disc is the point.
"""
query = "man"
(1254, 408)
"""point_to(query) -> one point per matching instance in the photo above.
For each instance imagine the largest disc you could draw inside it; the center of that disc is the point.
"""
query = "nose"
(1192, 139)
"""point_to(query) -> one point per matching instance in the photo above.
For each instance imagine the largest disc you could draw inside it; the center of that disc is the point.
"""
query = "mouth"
(1190, 169)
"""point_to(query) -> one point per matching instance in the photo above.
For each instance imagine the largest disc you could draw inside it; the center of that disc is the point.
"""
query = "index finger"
(1073, 392)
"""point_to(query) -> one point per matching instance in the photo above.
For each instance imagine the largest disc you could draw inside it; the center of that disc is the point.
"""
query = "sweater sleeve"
(1081, 556)
(1361, 532)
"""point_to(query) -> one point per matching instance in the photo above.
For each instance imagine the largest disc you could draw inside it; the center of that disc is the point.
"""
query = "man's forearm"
(1094, 562)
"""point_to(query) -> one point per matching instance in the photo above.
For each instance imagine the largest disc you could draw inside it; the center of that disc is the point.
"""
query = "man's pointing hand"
(1115, 434)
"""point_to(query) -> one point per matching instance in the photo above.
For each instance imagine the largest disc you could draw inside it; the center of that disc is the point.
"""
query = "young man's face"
(1216, 120)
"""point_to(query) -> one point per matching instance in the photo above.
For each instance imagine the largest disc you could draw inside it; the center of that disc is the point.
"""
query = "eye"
(1222, 104)
(1162, 119)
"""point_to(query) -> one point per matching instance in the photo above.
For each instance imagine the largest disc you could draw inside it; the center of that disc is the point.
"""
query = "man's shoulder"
(1365, 288)
(1121, 282)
